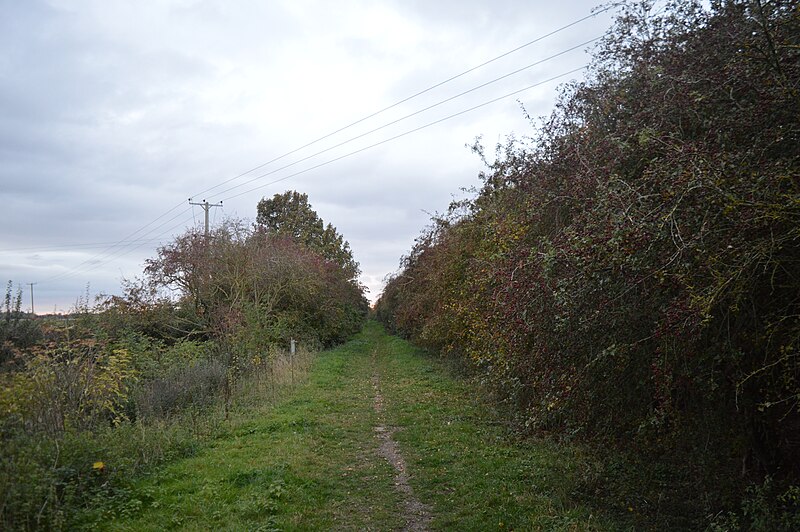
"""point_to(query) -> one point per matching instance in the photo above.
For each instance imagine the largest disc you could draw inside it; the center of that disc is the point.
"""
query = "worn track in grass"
(381, 437)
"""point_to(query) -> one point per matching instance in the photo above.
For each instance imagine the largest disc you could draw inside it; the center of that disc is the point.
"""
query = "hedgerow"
(631, 274)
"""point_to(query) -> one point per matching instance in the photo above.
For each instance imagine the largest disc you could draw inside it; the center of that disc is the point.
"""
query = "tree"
(290, 215)
(249, 281)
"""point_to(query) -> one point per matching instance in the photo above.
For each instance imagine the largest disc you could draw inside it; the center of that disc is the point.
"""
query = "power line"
(409, 132)
(109, 249)
(411, 97)
(119, 251)
(98, 260)
(62, 247)
(115, 250)
(109, 253)
(74, 272)
(415, 113)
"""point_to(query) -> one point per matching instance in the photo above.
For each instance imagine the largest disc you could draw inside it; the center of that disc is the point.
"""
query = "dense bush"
(90, 400)
(78, 386)
(631, 275)
(249, 283)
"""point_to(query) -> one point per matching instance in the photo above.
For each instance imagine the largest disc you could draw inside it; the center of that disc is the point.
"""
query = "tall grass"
(76, 427)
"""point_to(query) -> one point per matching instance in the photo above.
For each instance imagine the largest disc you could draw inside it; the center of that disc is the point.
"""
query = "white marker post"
(291, 357)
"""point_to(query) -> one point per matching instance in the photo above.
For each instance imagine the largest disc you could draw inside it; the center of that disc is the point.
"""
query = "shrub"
(78, 387)
(194, 386)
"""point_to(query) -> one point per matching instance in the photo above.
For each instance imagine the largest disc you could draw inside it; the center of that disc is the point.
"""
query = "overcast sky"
(112, 113)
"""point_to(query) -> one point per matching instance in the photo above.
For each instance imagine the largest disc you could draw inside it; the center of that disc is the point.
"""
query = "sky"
(114, 113)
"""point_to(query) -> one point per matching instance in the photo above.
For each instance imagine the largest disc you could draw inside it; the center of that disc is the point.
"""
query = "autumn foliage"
(249, 280)
(631, 274)
(139, 377)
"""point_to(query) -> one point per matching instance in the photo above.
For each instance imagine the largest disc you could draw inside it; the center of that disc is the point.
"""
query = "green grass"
(311, 462)
(476, 475)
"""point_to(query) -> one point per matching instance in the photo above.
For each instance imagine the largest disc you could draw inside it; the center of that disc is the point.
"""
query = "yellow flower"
(99, 466)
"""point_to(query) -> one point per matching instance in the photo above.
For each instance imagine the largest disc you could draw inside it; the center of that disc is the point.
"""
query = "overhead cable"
(390, 139)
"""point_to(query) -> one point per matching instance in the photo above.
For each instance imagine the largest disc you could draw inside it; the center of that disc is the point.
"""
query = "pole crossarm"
(206, 207)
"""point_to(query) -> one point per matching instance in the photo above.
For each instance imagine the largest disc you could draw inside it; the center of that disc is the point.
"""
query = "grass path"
(379, 438)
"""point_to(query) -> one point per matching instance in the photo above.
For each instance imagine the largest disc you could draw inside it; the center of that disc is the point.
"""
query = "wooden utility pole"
(31, 285)
(206, 206)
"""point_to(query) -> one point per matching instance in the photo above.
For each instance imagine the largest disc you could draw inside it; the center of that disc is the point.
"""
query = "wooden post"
(291, 357)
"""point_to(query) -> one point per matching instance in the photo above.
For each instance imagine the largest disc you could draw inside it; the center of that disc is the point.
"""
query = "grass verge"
(307, 463)
(312, 462)
(464, 462)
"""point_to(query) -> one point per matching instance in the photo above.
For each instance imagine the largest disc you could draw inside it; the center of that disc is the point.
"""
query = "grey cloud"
(113, 112)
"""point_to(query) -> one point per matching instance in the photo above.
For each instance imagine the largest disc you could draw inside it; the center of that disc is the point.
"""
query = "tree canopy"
(248, 281)
(290, 215)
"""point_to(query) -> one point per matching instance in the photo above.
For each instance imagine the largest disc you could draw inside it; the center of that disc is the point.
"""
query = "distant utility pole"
(206, 206)
(31, 285)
